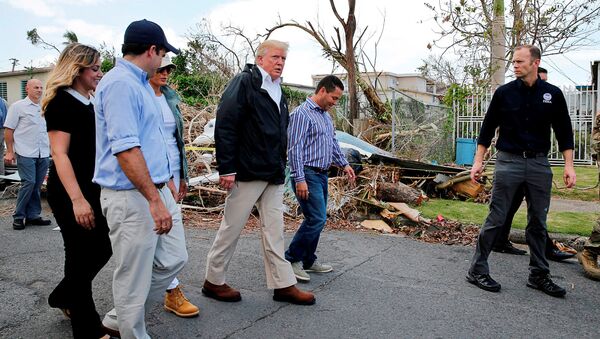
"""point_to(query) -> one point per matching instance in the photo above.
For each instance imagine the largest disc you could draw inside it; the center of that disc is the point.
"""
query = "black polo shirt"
(525, 116)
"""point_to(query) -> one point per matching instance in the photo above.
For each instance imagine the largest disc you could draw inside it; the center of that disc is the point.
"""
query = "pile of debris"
(381, 197)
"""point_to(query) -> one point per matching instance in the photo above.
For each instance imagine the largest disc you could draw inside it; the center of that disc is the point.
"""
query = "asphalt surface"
(381, 287)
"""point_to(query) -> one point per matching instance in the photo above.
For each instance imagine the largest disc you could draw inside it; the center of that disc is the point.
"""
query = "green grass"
(587, 176)
(580, 223)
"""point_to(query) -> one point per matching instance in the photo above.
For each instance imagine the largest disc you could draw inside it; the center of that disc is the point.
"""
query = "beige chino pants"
(238, 206)
(146, 262)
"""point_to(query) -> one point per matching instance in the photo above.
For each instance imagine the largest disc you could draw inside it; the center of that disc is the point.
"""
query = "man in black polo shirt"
(524, 110)
(502, 244)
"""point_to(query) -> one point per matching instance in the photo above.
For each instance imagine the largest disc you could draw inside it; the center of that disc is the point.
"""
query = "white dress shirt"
(272, 87)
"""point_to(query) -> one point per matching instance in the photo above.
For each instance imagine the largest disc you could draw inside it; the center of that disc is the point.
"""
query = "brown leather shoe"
(294, 295)
(220, 292)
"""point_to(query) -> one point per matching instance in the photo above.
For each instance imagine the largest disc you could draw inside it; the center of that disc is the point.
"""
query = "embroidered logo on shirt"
(547, 98)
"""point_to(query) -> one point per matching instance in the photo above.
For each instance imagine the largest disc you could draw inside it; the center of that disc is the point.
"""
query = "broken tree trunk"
(399, 192)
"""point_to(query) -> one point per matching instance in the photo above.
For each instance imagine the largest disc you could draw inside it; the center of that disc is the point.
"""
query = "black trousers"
(86, 252)
(512, 173)
(503, 237)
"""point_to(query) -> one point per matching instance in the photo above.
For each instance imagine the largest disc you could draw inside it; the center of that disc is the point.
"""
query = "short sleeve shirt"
(71, 114)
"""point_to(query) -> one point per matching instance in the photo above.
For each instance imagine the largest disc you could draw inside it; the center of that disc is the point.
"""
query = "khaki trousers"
(238, 206)
(146, 262)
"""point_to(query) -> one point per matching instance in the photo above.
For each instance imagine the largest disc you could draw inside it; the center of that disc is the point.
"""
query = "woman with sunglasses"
(168, 99)
(68, 108)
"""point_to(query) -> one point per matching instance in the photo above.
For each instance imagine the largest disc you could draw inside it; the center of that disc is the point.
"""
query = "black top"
(251, 130)
(67, 114)
(525, 116)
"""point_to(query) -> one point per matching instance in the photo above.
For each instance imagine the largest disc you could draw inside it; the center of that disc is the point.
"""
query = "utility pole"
(14, 63)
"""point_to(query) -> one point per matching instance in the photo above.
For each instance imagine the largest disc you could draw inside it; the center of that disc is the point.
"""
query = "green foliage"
(180, 61)
(456, 94)
(293, 97)
(70, 37)
(198, 89)
(108, 56)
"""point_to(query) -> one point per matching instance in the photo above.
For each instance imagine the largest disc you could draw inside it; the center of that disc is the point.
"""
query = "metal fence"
(581, 102)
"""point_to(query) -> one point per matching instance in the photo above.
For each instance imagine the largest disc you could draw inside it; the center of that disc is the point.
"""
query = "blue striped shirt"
(311, 140)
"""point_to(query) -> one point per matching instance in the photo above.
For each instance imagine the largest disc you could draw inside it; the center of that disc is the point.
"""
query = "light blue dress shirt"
(128, 116)
(30, 133)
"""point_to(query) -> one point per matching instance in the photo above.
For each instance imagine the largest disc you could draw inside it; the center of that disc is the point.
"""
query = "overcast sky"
(407, 31)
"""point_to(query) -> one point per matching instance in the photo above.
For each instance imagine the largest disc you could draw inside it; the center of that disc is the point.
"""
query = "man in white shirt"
(27, 141)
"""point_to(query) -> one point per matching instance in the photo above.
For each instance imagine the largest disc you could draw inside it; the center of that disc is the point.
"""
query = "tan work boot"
(589, 260)
(177, 303)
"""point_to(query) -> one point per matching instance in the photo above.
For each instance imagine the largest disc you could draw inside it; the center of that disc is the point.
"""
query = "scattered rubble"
(380, 199)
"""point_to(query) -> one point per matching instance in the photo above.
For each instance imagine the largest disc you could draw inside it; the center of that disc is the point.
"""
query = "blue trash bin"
(465, 151)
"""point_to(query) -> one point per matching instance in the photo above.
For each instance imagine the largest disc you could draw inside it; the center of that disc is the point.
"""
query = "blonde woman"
(74, 199)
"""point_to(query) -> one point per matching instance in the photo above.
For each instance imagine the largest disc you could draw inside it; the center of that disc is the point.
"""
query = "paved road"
(382, 287)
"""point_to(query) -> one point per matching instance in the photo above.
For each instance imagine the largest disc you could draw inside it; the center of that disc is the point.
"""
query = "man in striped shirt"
(312, 148)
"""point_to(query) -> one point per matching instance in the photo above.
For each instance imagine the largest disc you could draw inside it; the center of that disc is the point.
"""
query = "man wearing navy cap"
(132, 167)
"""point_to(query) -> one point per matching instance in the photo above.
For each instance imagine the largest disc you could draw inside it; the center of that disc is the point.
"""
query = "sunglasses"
(167, 69)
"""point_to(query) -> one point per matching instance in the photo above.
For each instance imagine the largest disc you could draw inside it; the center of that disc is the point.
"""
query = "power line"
(556, 68)
(574, 63)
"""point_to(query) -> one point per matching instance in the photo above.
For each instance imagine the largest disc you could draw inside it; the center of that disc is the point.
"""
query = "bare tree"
(341, 47)
(441, 70)
(225, 53)
(556, 27)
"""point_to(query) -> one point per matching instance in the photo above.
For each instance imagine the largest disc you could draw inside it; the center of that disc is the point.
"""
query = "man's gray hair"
(265, 45)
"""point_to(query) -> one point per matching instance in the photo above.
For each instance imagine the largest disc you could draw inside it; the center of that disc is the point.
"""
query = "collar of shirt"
(267, 78)
(521, 84)
(135, 69)
(78, 96)
(29, 102)
(272, 87)
(314, 106)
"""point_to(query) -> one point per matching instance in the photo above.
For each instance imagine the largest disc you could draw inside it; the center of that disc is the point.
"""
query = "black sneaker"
(483, 281)
(18, 224)
(546, 285)
(508, 248)
(38, 222)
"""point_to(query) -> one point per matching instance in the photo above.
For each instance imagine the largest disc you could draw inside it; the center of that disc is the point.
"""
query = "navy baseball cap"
(147, 32)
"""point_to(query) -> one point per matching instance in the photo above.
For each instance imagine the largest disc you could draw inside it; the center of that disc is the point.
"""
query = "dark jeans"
(86, 252)
(512, 173)
(32, 172)
(305, 241)
(514, 207)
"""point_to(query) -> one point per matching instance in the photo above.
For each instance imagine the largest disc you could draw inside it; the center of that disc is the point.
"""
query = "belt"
(160, 186)
(529, 154)
(318, 170)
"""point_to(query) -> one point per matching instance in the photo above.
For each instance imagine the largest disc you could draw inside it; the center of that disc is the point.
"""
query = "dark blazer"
(250, 131)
